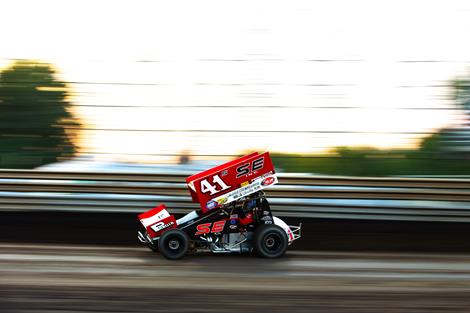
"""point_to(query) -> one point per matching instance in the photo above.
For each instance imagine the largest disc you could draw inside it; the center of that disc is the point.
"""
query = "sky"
(222, 77)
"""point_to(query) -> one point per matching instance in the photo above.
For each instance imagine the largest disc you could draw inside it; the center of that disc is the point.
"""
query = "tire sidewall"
(164, 244)
(259, 242)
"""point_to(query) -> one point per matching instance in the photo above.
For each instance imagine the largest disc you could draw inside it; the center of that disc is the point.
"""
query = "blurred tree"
(433, 144)
(461, 90)
(34, 116)
(459, 137)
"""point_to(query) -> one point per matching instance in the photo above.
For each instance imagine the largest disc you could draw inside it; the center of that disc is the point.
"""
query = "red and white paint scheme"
(156, 220)
(231, 181)
(234, 215)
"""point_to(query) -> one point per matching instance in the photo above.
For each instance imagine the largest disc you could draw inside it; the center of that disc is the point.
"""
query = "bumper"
(144, 238)
(296, 232)
(141, 237)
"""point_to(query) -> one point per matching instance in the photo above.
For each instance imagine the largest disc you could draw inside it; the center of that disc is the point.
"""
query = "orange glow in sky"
(304, 76)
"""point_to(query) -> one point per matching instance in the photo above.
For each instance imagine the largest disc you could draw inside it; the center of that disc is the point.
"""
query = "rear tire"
(173, 244)
(270, 241)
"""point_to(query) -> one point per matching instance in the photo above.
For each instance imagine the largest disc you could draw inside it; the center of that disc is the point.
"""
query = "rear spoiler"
(231, 181)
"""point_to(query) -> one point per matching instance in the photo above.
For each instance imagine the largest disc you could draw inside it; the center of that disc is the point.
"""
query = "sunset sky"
(292, 76)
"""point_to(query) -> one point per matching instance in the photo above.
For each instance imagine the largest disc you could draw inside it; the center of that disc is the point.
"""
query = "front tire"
(270, 241)
(173, 244)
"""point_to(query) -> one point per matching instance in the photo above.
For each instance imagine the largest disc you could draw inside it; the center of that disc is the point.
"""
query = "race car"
(234, 214)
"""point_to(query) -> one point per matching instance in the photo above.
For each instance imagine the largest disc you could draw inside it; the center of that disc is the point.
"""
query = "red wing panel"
(207, 173)
(219, 167)
(231, 181)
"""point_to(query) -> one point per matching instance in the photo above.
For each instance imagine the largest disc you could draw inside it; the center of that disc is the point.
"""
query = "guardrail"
(421, 199)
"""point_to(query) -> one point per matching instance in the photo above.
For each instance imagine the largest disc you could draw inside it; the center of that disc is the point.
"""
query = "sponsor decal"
(268, 222)
(205, 228)
(250, 167)
(233, 222)
(160, 226)
(265, 212)
(212, 204)
(233, 226)
(162, 215)
(234, 216)
(266, 175)
(268, 181)
(218, 227)
(222, 200)
(241, 192)
(266, 218)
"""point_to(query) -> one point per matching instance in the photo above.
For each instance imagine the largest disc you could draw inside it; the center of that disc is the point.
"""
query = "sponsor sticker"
(222, 200)
(217, 227)
(268, 181)
(212, 204)
(159, 226)
(253, 187)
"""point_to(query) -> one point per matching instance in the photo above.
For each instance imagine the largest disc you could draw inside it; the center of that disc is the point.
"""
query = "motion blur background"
(106, 106)
(337, 87)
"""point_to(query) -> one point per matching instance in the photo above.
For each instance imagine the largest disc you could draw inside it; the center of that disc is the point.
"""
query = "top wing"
(231, 181)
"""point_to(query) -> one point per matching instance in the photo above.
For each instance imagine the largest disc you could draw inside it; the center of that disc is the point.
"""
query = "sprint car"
(234, 214)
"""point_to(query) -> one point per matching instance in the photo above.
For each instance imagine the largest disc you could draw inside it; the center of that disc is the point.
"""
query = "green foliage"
(34, 116)
(436, 154)
(429, 159)
(461, 92)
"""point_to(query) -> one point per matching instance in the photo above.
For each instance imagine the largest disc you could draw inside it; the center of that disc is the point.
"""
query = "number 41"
(212, 189)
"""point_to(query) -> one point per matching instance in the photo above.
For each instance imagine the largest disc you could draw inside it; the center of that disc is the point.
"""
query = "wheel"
(173, 244)
(270, 241)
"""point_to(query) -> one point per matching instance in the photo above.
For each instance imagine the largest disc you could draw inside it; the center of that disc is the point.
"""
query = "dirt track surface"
(63, 278)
